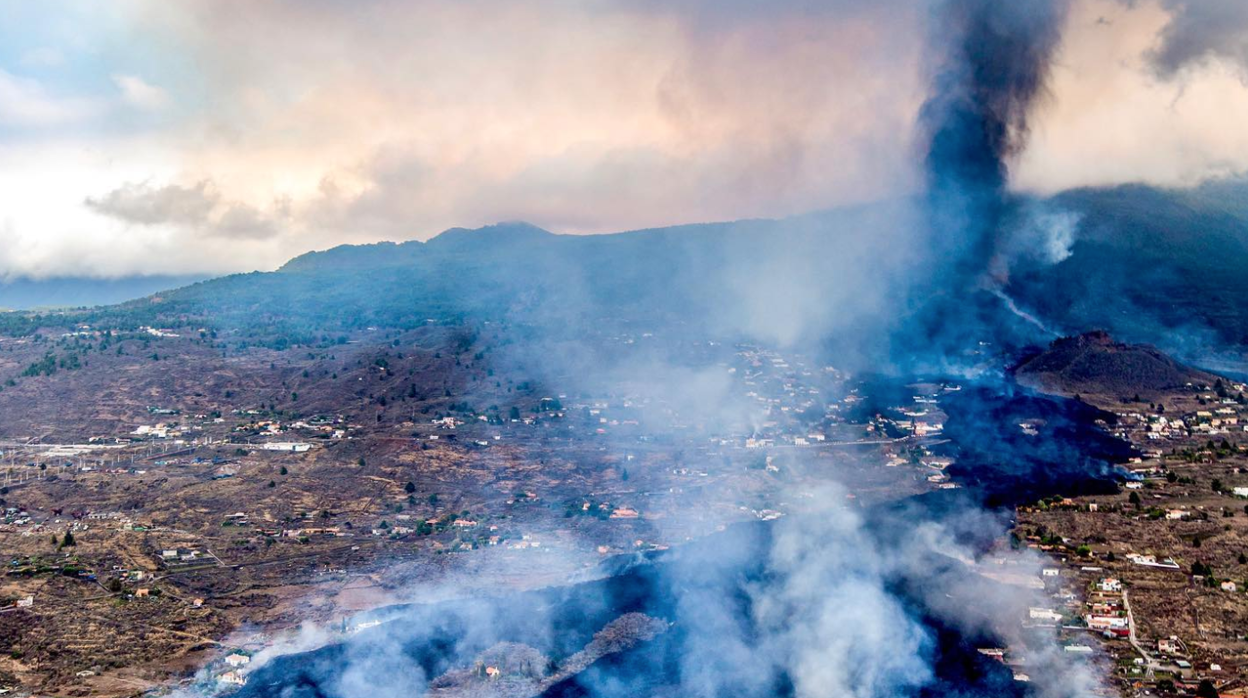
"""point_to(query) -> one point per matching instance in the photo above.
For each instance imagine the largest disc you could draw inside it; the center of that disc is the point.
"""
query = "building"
(1109, 584)
(1116, 625)
(1044, 614)
(237, 659)
(290, 446)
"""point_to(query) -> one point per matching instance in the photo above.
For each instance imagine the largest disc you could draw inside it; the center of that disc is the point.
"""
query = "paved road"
(1149, 662)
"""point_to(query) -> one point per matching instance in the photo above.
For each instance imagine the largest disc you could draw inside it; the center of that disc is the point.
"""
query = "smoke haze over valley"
(949, 403)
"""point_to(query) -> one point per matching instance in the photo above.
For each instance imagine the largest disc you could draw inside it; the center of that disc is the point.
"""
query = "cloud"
(1108, 98)
(27, 103)
(1202, 31)
(198, 207)
(585, 118)
(391, 120)
(144, 204)
(139, 94)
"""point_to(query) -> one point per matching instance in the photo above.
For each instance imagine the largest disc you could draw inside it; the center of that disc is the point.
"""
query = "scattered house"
(1117, 625)
(1169, 645)
(237, 659)
(1229, 586)
(1110, 584)
(1046, 615)
(233, 677)
(142, 593)
(1151, 561)
(624, 513)
(1240, 491)
(289, 446)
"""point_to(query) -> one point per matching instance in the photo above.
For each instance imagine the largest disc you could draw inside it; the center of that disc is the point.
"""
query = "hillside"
(1094, 364)
(1154, 265)
(1145, 264)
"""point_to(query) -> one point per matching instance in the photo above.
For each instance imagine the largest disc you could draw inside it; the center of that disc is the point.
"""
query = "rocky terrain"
(1094, 364)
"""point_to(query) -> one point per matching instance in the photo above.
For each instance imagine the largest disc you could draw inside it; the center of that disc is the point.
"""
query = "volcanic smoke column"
(992, 60)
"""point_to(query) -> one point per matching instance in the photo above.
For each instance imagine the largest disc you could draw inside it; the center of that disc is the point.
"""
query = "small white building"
(1044, 614)
(1110, 584)
(289, 446)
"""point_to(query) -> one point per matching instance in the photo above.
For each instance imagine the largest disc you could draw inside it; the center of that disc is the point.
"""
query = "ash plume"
(992, 62)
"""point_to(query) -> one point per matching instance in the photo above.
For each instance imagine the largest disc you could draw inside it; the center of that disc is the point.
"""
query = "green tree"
(410, 487)
(1206, 689)
(1134, 498)
(68, 541)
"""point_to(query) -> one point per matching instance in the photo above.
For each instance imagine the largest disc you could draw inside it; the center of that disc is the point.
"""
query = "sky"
(213, 136)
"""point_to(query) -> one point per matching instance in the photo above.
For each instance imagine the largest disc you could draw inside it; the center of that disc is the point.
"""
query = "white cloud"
(140, 94)
(26, 103)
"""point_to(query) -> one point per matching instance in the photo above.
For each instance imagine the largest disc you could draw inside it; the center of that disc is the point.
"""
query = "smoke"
(833, 601)
(993, 66)
(992, 62)
(836, 601)
(1200, 32)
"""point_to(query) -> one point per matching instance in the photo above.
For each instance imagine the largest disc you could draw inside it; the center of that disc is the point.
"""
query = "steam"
(1023, 315)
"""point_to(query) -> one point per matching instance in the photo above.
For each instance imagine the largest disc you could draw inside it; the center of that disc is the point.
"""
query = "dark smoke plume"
(991, 65)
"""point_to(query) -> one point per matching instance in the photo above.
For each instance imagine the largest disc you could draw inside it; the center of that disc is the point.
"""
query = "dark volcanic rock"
(1094, 364)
